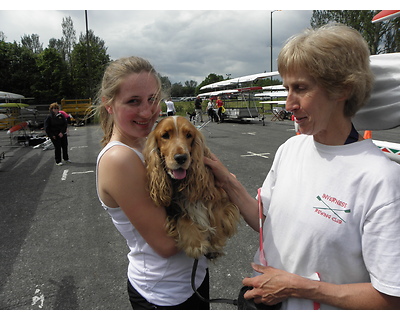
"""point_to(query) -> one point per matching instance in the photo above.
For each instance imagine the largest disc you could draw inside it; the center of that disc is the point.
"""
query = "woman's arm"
(47, 127)
(274, 286)
(237, 193)
(122, 182)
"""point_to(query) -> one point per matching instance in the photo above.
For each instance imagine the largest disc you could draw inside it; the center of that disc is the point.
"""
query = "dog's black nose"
(180, 158)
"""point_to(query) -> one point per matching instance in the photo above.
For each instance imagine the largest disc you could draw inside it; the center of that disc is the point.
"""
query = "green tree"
(211, 78)
(392, 43)
(382, 37)
(17, 68)
(89, 59)
(165, 85)
(6, 58)
(32, 42)
(177, 90)
(51, 84)
(190, 88)
(69, 37)
(58, 45)
(65, 46)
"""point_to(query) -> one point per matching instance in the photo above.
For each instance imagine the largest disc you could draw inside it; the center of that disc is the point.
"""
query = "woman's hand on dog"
(221, 173)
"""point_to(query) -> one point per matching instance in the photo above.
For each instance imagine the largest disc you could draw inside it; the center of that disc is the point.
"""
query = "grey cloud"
(183, 45)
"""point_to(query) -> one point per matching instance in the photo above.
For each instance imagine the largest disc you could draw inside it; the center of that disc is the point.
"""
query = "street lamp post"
(271, 42)
(89, 94)
(271, 38)
(271, 35)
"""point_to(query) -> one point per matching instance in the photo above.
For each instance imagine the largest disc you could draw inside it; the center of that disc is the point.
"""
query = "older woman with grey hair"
(331, 226)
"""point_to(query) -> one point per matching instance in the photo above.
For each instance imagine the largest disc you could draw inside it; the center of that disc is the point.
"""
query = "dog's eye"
(165, 135)
(189, 135)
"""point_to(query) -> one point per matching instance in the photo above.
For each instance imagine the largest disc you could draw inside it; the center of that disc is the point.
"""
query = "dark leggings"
(193, 303)
(60, 143)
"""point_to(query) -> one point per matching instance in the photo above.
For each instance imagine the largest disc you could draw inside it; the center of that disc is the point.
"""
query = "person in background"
(170, 107)
(159, 274)
(331, 200)
(210, 110)
(198, 109)
(219, 103)
(66, 116)
(56, 126)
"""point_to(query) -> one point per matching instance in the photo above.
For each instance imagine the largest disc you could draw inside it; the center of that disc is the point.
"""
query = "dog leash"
(262, 259)
(220, 300)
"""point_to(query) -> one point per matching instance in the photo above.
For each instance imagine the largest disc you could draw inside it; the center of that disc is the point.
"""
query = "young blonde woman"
(158, 273)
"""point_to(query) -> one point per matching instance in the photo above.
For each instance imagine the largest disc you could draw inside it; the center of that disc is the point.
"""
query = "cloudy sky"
(181, 44)
(185, 44)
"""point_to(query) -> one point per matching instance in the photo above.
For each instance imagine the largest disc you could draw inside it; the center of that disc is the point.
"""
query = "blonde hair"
(114, 74)
(337, 57)
(54, 105)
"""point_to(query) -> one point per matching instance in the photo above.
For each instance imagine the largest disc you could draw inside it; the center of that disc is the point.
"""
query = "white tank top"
(161, 281)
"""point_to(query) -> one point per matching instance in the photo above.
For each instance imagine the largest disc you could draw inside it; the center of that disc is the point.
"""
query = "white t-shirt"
(161, 281)
(170, 106)
(334, 211)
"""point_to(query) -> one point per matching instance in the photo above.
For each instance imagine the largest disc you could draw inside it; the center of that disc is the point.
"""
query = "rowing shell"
(19, 126)
(392, 150)
(386, 15)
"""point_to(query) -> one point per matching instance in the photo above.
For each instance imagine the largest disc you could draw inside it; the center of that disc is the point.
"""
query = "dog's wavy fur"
(200, 216)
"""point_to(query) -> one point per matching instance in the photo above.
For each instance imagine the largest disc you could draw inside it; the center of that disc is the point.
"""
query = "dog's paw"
(213, 255)
(196, 250)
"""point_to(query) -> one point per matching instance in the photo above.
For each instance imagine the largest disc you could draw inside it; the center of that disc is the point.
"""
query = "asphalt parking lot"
(58, 247)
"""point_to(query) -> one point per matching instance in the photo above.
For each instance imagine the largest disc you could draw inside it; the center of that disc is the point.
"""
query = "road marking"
(38, 298)
(79, 147)
(64, 175)
(252, 154)
(250, 133)
(83, 172)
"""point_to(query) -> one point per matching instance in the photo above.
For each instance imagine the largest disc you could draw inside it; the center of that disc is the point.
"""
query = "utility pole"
(271, 42)
(88, 58)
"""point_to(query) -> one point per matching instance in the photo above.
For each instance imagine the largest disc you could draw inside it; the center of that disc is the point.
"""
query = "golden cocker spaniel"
(200, 216)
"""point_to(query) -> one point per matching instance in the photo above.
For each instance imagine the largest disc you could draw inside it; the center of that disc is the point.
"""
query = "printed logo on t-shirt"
(332, 208)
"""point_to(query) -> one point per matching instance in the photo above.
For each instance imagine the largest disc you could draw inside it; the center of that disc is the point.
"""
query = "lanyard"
(260, 215)
(263, 261)
(353, 136)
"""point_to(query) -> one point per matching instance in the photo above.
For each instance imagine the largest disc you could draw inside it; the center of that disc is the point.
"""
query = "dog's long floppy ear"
(200, 179)
(159, 185)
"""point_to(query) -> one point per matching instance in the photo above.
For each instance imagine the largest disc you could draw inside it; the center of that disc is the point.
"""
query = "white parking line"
(64, 175)
(38, 298)
(252, 154)
(83, 172)
(79, 147)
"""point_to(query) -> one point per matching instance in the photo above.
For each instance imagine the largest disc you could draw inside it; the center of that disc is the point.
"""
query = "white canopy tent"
(275, 87)
(281, 94)
(382, 112)
(239, 80)
(11, 96)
